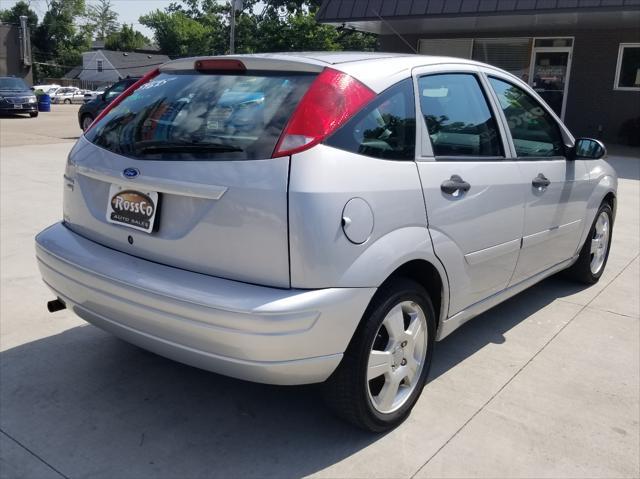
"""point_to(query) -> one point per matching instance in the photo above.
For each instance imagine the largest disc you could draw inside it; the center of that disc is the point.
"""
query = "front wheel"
(86, 122)
(595, 251)
(67, 102)
(385, 367)
(33, 114)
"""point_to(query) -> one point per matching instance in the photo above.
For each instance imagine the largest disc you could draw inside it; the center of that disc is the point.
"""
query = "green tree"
(277, 25)
(21, 8)
(177, 34)
(126, 39)
(58, 40)
(102, 19)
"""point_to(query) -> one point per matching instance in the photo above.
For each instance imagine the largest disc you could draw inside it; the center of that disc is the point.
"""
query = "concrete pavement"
(545, 385)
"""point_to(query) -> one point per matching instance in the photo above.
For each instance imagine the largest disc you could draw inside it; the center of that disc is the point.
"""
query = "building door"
(549, 76)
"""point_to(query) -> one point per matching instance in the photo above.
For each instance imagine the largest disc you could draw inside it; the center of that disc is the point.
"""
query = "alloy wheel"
(600, 242)
(397, 357)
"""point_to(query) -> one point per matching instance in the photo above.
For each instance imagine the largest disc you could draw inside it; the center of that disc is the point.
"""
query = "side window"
(385, 129)
(115, 90)
(458, 117)
(534, 131)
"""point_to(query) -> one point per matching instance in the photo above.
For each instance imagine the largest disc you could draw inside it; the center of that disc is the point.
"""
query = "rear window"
(199, 116)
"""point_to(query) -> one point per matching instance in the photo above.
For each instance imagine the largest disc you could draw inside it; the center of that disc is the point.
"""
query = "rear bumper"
(261, 334)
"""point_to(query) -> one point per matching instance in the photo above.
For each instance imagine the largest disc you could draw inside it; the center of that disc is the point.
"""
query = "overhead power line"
(98, 69)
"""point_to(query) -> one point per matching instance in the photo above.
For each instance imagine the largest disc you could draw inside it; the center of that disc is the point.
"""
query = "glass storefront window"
(628, 71)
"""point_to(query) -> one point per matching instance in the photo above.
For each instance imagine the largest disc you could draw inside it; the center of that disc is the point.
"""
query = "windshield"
(16, 84)
(196, 116)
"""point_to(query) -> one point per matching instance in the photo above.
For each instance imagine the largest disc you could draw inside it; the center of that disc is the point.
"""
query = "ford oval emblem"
(131, 172)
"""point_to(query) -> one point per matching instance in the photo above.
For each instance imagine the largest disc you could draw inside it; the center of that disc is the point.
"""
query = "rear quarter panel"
(323, 179)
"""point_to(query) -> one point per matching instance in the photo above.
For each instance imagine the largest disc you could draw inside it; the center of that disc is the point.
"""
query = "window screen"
(458, 117)
(384, 129)
(535, 133)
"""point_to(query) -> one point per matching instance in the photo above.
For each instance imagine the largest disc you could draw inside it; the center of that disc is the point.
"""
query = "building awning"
(411, 16)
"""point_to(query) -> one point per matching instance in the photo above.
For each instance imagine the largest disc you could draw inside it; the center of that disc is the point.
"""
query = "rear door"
(556, 188)
(471, 188)
(181, 173)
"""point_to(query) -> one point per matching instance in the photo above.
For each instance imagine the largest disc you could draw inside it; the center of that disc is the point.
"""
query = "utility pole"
(235, 4)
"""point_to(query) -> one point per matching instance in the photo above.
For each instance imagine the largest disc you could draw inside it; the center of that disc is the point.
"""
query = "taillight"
(331, 100)
(124, 95)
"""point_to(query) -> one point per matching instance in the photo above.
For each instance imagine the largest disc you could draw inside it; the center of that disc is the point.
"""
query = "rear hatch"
(181, 172)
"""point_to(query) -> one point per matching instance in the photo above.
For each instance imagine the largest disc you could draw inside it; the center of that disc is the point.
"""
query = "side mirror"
(589, 149)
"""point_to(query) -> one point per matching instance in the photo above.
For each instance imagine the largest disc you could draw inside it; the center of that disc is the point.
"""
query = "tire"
(86, 122)
(33, 114)
(363, 401)
(591, 264)
(67, 102)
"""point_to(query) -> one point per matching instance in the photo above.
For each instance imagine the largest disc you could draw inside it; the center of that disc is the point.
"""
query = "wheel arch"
(430, 278)
(612, 200)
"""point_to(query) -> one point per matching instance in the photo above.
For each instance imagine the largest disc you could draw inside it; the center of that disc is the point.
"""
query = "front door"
(550, 76)
(556, 189)
(473, 193)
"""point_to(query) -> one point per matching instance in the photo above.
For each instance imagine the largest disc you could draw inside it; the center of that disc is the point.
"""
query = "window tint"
(458, 116)
(384, 129)
(116, 89)
(202, 116)
(535, 133)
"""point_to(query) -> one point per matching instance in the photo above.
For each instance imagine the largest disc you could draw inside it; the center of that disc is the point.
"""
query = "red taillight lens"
(124, 95)
(331, 100)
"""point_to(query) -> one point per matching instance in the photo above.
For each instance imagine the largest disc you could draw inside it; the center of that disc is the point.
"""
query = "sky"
(128, 10)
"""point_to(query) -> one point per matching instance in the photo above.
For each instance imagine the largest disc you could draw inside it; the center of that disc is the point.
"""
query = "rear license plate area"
(132, 208)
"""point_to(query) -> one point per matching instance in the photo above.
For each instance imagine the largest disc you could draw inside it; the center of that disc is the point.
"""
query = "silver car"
(322, 217)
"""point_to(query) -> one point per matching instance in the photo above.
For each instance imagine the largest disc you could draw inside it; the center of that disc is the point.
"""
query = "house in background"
(15, 51)
(108, 66)
(581, 56)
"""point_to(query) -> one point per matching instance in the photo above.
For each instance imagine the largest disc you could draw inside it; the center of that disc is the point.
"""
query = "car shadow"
(491, 327)
(94, 405)
(17, 116)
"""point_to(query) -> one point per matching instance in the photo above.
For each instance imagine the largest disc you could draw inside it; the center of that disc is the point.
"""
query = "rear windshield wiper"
(186, 148)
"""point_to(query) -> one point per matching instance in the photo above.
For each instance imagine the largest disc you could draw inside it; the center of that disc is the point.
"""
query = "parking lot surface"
(545, 385)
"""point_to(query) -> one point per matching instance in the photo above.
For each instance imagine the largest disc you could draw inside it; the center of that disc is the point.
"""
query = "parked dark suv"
(17, 97)
(91, 109)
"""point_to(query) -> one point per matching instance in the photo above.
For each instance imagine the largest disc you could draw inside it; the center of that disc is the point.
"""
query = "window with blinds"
(510, 54)
(446, 47)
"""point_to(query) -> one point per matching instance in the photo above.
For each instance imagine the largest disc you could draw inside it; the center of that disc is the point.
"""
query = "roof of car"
(358, 64)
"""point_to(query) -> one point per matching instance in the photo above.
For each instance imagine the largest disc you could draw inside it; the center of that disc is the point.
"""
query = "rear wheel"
(595, 251)
(386, 365)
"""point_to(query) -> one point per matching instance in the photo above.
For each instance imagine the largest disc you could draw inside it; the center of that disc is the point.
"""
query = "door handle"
(454, 185)
(540, 182)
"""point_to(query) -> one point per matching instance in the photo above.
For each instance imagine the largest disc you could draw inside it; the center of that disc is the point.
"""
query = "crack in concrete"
(34, 454)
(488, 401)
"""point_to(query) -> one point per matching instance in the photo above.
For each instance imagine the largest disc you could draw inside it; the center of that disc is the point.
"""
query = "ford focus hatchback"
(321, 218)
